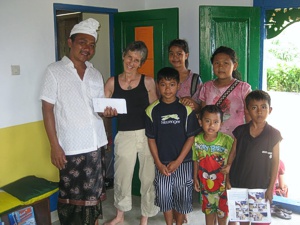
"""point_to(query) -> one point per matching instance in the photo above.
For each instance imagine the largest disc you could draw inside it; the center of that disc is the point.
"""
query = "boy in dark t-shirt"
(170, 128)
(254, 157)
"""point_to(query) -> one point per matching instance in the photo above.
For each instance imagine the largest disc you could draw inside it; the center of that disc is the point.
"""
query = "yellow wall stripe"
(25, 150)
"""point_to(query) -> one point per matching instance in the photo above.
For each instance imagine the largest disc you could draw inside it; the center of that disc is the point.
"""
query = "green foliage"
(285, 51)
(283, 71)
(284, 77)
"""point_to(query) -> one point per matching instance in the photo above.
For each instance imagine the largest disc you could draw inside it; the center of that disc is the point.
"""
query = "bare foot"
(117, 220)
(185, 219)
(144, 220)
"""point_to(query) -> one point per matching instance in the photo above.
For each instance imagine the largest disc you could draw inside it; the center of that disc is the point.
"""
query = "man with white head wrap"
(88, 26)
(75, 132)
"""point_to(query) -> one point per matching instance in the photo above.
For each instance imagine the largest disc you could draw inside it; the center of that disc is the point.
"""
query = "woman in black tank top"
(136, 100)
(139, 91)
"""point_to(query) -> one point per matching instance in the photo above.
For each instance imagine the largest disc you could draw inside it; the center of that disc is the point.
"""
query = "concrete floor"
(290, 154)
(132, 217)
(195, 218)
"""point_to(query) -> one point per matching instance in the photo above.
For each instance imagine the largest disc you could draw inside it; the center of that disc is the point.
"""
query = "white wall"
(189, 20)
(27, 39)
(101, 59)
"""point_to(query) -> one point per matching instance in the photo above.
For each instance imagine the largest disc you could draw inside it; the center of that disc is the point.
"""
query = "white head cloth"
(88, 26)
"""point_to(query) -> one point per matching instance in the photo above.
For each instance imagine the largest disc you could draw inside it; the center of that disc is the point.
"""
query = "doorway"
(66, 16)
(282, 81)
(161, 25)
(65, 22)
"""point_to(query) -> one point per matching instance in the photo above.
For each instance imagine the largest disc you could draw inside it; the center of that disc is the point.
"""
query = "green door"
(165, 28)
(234, 27)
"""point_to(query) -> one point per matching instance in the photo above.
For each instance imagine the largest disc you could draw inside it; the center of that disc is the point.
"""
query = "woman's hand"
(110, 112)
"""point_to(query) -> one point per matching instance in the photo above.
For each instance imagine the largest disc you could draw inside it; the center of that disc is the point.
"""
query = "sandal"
(280, 208)
(273, 211)
(283, 215)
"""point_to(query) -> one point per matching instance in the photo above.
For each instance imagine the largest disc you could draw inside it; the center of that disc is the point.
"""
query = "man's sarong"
(80, 188)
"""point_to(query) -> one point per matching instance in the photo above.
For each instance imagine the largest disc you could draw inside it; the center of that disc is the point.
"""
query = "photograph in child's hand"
(258, 210)
(242, 210)
(248, 205)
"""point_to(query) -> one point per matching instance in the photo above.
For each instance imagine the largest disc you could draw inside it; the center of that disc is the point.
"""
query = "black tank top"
(137, 101)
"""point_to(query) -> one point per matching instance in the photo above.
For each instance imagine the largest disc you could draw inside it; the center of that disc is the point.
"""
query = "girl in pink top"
(178, 58)
(224, 64)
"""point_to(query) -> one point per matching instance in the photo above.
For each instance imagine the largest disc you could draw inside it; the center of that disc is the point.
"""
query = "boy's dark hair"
(168, 73)
(211, 109)
(258, 95)
(181, 44)
(228, 51)
(139, 46)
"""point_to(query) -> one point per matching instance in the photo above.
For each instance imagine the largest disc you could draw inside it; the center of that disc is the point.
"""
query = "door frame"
(268, 5)
(161, 20)
(96, 10)
(241, 33)
(89, 9)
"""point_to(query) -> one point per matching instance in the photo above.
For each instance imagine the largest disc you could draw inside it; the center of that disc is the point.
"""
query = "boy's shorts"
(175, 191)
(215, 203)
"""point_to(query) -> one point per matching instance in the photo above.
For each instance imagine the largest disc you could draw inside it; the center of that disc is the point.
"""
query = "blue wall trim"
(267, 5)
(272, 4)
(88, 9)
(91, 9)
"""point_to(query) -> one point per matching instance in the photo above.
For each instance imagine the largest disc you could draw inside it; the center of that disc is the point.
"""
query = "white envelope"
(117, 103)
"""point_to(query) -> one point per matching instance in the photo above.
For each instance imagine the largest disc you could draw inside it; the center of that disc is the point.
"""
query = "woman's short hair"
(137, 46)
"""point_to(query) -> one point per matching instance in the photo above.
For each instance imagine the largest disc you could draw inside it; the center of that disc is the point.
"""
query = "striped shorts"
(175, 191)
